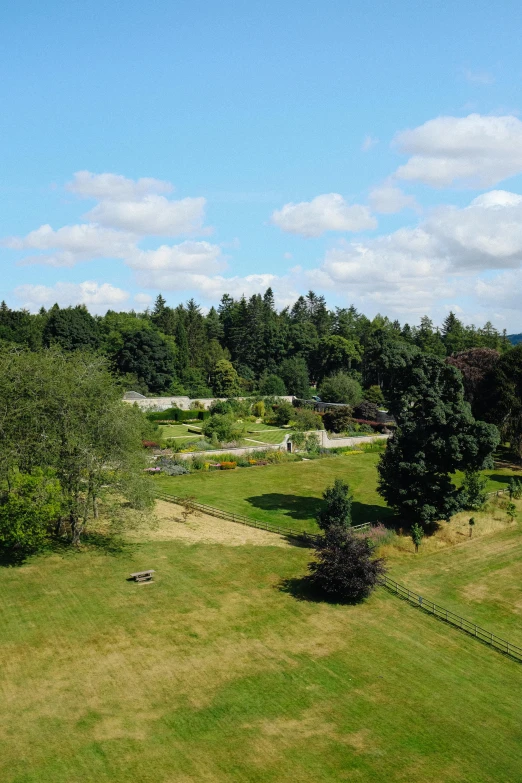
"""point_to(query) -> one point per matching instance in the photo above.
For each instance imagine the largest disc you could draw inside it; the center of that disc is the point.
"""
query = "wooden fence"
(242, 520)
(453, 619)
(489, 638)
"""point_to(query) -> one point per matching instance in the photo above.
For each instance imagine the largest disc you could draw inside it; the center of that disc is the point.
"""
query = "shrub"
(150, 444)
(366, 410)
(374, 394)
(344, 567)
(228, 465)
(473, 491)
(338, 506)
(283, 412)
(223, 427)
(515, 488)
(342, 388)
(171, 467)
(337, 419)
(198, 463)
(306, 419)
(272, 385)
(258, 409)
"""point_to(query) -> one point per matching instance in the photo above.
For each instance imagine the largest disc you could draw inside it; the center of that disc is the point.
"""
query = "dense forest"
(248, 347)
(243, 346)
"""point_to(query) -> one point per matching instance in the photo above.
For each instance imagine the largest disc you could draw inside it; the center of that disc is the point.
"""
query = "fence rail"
(502, 645)
(242, 520)
(497, 492)
(453, 619)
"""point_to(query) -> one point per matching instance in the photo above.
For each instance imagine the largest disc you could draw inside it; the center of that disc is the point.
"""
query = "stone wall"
(163, 403)
(356, 440)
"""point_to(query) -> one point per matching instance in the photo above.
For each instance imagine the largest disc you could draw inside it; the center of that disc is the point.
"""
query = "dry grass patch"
(170, 525)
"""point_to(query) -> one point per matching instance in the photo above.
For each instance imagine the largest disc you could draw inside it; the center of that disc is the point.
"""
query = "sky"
(371, 152)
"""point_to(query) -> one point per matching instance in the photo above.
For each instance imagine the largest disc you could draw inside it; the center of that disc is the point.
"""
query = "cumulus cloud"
(97, 297)
(504, 291)
(73, 244)
(153, 214)
(387, 199)
(115, 187)
(485, 235)
(411, 269)
(138, 206)
(400, 271)
(185, 257)
(328, 212)
(476, 150)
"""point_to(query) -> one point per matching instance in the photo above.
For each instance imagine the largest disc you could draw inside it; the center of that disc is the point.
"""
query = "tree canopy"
(436, 435)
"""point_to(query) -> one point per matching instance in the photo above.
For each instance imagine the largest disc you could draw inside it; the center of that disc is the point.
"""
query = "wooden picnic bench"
(143, 576)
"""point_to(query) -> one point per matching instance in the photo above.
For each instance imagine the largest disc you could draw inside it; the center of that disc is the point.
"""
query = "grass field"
(217, 673)
(178, 431)
(289, 494)
(267, 435)
(480, 578)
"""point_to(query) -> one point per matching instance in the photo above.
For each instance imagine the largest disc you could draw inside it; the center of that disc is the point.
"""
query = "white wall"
(163, 403)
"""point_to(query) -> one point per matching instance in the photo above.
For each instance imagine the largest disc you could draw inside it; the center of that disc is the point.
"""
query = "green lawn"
(178, 431)
(267, 435)
(289, 494)
(480, 578)
(214, 674)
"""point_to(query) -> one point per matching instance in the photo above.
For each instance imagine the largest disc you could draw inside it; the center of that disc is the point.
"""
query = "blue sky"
(370, 151)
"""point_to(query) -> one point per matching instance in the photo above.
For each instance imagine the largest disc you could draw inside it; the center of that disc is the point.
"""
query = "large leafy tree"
(475, 365)
(335, 354)
(341, 388)
(294, 373)
(502, 397)
(149, 356)
(345, 568)
(30, 504)
(436, 435)
(64, 412)
(71, 328)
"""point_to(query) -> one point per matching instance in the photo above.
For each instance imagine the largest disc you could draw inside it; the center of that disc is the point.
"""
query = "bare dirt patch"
(202, 528)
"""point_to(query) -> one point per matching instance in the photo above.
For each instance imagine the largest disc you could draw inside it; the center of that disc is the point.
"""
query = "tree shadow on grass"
(306, 507)
(110, 544)
(302, 589)
(295, 506)
(498, 477)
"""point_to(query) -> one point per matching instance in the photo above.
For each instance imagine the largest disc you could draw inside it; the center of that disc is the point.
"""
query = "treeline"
(243, 346)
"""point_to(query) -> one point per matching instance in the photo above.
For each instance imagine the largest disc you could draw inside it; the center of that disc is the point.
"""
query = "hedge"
(176, 414)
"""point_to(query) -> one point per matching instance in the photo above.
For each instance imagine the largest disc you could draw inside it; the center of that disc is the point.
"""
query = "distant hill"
(515, 339)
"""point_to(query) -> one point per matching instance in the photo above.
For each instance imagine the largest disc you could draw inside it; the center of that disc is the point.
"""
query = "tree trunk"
(76, 529)
(58, 528)
(95, 506)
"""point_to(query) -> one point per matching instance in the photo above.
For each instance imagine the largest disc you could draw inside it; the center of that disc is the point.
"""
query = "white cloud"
(138, 205)
(115, 187)
(504, 291)
(328, 212)
(400, 271)
(97, 297)
(368, 143)
(387, 199)
(151, 215)
(143, 300)
(476, 150)
(485, 235)
(412, 269)
(172, 259)
(73, 243)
